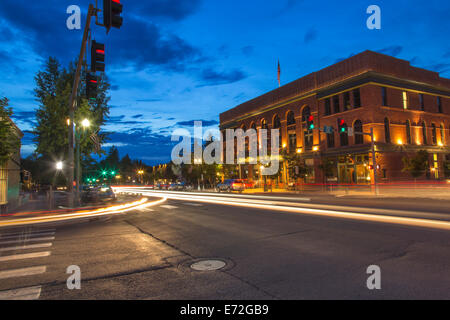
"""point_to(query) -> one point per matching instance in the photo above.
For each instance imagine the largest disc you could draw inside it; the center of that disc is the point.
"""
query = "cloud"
(310, 36)
(138, 116)
(205, 123)
(169, 9)
(248, 50)
(392, 50)
(210, 77)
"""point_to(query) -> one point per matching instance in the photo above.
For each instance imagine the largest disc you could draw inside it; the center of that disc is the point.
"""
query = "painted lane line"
(25, 256)
(26, 240)
(168, 207)
(23, 236)
(193, 204)
(31, 246)
(24, 272)
(37, 231)
(32, 293)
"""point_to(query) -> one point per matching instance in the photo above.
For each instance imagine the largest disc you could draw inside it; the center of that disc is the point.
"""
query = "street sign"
(351, 132)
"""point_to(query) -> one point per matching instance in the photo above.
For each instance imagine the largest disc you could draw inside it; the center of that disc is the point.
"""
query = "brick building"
(407, 107)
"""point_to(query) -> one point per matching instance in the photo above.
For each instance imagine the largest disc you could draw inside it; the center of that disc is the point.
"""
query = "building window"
(384, 96)
(442, 135)
(346, 101)
(330, 139)
(290, 119)
(277, 125)
(253, 126)
(358, 127)
(308, 134)
(337, 107)
(439, 103)
(408, 132)
(344, 137)
(292, 142)
(327, 107)
(356, 98)
(405, 100)
(424, 133)
(434, 134)
(387, 130)
(422, 102)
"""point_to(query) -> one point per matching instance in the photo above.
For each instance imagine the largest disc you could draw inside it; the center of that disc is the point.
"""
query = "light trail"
(350, 212)
(83, 214)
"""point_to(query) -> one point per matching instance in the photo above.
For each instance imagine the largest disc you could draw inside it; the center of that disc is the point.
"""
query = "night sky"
(176, 61)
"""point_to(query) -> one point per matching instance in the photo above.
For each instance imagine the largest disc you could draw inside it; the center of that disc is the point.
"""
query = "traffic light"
(112, 9)
(342, 127)
(91, 86)
(97, 57)
(310, 123)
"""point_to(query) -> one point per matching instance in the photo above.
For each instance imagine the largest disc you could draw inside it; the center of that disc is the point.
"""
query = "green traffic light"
(312, 126)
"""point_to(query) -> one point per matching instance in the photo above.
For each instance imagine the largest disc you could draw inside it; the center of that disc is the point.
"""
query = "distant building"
(408, 108)
(10, 178)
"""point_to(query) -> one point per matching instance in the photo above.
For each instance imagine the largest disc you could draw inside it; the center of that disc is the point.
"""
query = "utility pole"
(73, 98)
(374, 162)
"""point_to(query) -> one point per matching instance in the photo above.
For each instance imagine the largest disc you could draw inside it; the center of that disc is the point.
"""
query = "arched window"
(277, 125)
(387, 130)
(408, 132)
(290, 118)
(308, 134)
(424, 132)
(253, 126)
(264, 124)
(358, 127)
(434, 134)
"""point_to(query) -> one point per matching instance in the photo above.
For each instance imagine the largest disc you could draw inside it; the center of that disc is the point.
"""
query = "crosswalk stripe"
(32, 293)
(28, 232)
(25, 256)
(22, 272)
(169, 207)
(193, 204)
(31, 246)
(24, 235)
(26, 240)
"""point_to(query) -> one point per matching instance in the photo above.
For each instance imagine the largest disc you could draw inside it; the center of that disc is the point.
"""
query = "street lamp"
(59, 166)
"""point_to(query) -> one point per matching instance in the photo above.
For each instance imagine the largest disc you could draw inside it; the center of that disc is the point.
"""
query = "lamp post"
(84, 125)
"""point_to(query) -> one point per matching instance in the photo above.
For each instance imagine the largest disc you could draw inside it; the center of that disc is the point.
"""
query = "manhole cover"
(208, 265)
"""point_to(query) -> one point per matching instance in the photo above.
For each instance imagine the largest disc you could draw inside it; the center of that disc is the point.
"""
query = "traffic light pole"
(72, 101)
(374, 162)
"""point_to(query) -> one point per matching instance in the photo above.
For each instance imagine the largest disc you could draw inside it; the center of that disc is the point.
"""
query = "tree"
(53, 89)
(417, 165)
(9, 142)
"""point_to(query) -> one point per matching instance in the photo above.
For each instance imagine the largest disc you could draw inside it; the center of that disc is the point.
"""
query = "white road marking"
(193, 204)
(24, 235)
(169, 207)
(32, 293)
(31, 246)
(25, 256)
(27, 240)
(22, 272)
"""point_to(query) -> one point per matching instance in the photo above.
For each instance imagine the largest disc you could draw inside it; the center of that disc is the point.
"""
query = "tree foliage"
(417, 165)
(53, 89)
(9, 142)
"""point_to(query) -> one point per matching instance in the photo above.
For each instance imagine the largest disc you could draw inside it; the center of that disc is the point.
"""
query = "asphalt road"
(270, 254)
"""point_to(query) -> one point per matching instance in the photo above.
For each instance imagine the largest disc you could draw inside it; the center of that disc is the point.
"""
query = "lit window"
(405, 100)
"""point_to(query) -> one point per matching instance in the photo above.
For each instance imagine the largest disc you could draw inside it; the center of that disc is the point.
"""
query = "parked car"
(232, 185)
(249, 184)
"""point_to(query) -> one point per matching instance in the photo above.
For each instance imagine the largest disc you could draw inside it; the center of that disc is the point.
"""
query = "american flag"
(279, 74)
(96, 141)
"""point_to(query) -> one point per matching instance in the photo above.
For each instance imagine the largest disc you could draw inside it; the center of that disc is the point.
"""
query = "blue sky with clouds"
(175, 61)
